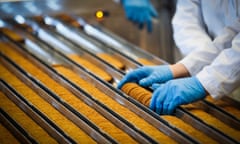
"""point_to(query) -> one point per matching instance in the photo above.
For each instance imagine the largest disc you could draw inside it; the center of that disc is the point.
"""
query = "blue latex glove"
(140, 12)
(148, 75)
(167, 97)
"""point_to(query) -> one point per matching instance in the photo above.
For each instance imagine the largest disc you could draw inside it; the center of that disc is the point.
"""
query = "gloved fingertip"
(171, 109)
(159, 110)
(155, 15)
(155, 86)
(154, 12)
(152, 104)
(149, 26)
(164, 111)
(121, 83)
(128, 15)
(119, 86)
(143, 82)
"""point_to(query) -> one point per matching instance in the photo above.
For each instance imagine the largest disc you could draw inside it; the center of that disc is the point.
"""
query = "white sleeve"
(204, 56)
(215, 62)
(188, 26)
(223, 75)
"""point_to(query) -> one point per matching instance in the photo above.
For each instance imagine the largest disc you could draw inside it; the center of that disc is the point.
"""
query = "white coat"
(208, 32)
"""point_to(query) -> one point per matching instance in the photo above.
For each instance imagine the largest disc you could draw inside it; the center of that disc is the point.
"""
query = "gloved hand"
(140, 12)
(147, 75)
(167, 97)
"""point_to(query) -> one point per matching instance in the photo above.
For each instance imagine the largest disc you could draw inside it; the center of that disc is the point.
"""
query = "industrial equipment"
(58, 77)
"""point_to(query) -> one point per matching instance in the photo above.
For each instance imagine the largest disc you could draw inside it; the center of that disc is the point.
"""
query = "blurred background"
(159, 42)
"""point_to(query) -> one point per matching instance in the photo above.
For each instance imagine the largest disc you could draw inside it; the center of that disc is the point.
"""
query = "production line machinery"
(58, 85)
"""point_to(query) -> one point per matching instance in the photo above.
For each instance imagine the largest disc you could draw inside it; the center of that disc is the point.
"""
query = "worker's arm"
(217, 79)
(188, 26)
(220, 76)
(223, 75)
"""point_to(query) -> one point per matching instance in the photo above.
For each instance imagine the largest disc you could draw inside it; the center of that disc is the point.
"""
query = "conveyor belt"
(227, 107)
(214, 122)
(227, 114)
(159, 125)
(60, 103)
(133, 127)
(14, 127)
(94, 106)
(35, 114)
(6, 136)
(105, 125)
(143, 96)
(9, 53)
(47, 112)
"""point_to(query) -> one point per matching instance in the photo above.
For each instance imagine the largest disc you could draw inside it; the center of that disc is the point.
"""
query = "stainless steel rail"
(53, 99)
(15, 128)
(37, 115)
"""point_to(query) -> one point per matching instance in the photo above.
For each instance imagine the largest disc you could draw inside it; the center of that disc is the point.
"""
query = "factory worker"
(208, 32)
(140, 12)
